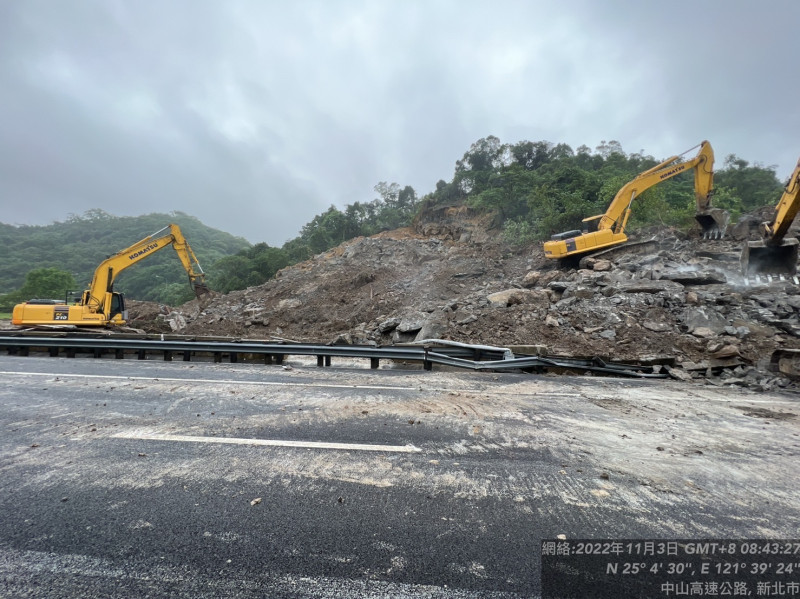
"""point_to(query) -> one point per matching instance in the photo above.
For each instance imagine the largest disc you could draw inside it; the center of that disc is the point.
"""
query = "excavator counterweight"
(774, 253)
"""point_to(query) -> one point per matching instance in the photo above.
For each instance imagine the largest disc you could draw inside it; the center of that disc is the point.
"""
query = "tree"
(325, 231)
(42, 283)
(606, 149)
(232, 272)
(175, 294)
(47, 282)
(506, 192)
(755, 185)
(483, 155)
(531, 155)
(81, 243)
(395, 208)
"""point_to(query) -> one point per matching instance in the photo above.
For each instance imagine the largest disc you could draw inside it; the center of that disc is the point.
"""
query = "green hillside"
(532, 189)
(80, 243)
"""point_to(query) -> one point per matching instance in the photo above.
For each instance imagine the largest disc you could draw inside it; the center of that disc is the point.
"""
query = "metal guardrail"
(472, 357)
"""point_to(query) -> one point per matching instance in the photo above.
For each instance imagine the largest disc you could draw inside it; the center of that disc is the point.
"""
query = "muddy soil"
(451, 277)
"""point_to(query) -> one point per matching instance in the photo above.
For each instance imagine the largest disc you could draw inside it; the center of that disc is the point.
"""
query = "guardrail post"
(374, 363)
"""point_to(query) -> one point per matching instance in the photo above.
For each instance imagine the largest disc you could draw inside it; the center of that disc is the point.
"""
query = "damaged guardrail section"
(428, 353)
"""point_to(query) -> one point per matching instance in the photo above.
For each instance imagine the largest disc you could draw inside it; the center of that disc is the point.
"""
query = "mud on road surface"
(142, 480)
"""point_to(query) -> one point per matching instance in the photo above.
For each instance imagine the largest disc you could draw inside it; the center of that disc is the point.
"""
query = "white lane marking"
(207, 381)
(151, 436)
(537, 394)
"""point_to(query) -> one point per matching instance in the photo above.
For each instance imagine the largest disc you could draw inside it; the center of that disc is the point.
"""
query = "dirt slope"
(450, 277)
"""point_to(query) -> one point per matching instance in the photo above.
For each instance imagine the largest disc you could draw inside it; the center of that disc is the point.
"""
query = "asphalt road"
(150, 479)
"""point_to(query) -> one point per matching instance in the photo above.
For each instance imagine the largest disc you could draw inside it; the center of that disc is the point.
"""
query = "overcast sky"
(256, 115)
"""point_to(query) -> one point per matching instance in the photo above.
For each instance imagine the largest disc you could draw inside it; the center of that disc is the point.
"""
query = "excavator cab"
(118, 306)
(590, 224)
(72, 297)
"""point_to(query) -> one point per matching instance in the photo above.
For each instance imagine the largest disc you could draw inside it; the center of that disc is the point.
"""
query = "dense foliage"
(41, 283)
(79, 244)
(537, 188)
(533, 189)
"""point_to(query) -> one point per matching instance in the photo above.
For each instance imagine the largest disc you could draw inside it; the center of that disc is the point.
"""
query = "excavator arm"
(610, 229)
(787, 208)
(712, 221)
(111, 267)
(774, 253)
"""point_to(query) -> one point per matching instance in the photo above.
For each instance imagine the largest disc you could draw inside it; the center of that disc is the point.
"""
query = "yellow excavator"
(773, 254)
(608, 230)
(100, 305)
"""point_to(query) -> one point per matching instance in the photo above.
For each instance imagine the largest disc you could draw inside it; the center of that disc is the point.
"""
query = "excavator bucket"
(201, 289)
(758, 258)
(713, 223)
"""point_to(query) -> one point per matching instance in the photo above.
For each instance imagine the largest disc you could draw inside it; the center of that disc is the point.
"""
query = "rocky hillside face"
(450, 277)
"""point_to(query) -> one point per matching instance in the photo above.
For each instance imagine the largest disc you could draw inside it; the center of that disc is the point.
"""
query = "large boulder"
(704, 317)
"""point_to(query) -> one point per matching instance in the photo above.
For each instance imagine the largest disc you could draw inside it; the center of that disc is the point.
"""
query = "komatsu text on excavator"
(608, 230)
(775, 254)
(100, 305)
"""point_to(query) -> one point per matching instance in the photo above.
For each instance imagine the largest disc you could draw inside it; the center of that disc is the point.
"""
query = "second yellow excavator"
(608, 230)
(774, 254)
(100, 305)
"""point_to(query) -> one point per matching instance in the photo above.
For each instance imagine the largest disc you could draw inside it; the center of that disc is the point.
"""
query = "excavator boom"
(774, 254)
(109, 269)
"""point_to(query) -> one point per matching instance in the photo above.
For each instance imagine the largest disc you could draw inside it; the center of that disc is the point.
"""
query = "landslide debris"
(450, 277)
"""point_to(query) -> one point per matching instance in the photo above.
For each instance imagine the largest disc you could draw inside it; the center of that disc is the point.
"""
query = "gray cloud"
(255, 116)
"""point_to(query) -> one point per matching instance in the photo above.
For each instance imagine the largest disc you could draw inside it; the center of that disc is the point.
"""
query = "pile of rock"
(684, 300)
